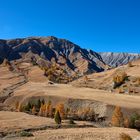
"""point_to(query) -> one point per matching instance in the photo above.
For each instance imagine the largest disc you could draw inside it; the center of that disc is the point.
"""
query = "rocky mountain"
(52, 50)
(118, 59)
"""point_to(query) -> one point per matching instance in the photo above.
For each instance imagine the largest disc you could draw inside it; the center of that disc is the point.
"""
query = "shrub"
(124, 136)
(86, 114)
(138, 80)
(33, 110)
(117, 117)
(17, 106)
(71, 121)
(28, 107)
(119, 79)
(126, 122)
(38, 104)
(10, 68)
(130, 64)
(133, 119)
(56, 74)
(137, 124)
(121, 90)
(20, 108)
(57, 117)
(86, 79)
(26, 134)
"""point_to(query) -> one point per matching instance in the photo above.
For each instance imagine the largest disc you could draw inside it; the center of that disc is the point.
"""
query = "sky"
(100, 25)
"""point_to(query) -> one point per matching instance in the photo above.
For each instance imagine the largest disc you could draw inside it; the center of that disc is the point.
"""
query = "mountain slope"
(118, 59)
(63, 52)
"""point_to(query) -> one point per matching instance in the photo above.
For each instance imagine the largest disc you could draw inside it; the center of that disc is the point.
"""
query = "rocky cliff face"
(51, 49)
(118, 59)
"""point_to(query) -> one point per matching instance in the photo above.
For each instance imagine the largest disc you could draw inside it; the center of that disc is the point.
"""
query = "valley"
(33, 87)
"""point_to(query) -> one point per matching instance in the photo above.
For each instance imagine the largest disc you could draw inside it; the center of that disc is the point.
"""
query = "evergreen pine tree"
(57, 117)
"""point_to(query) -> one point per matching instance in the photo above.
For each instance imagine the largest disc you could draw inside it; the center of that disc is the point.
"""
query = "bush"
(17, 105)
(124, 136)
(126, 122)
(119, 79)
(26, 134)
(71, 121)
(28, 107)
(133, 119)
(138, 80)
(38, 104)
(86, 113)
(130, 64)
(57, 117)
(34, 110)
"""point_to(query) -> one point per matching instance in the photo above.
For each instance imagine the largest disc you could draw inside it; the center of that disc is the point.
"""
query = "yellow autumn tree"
(20, 108)
(17, 106)
(42, 110)
(33, 110)
(61, 109)
(117, 117)
(138, 80)
(119, 78)
(49, 109)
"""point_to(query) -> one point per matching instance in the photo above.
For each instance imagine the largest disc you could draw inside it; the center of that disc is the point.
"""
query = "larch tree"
(117, 117)
(61, 109)
(34, 110)
(49, 109)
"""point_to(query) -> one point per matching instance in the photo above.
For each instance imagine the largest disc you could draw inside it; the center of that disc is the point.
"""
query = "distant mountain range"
(118, 59)
(62, 52)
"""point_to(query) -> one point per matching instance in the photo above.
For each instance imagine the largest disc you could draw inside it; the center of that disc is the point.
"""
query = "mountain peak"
(65, 53)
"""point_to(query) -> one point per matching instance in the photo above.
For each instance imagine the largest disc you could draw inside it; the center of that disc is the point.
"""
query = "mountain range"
(118, 59)
(62, 52)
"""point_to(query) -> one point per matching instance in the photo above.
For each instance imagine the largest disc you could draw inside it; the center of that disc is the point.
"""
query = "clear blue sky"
(100, 25)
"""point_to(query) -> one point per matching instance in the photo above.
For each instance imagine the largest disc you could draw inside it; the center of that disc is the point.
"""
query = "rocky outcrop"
(118, 59)
(51, 49)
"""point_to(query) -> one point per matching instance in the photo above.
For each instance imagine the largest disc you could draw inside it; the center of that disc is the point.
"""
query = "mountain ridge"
(118, 59)
(63, 52)
(60, 51)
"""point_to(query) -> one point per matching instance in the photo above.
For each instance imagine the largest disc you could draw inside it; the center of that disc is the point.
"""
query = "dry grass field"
(18, 121)
(32, 89)
(80, 134)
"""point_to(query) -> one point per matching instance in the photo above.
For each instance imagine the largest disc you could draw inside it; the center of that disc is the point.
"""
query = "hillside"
(26, 83)
(46, 74)
(104, 80)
